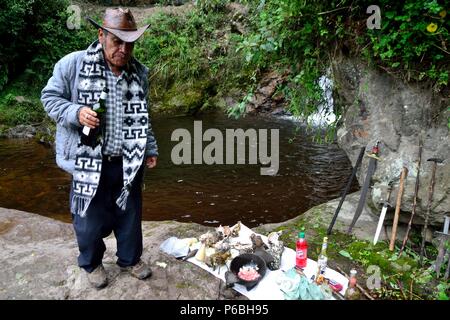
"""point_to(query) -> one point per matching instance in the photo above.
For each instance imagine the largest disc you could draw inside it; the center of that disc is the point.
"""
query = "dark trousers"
(104, 216)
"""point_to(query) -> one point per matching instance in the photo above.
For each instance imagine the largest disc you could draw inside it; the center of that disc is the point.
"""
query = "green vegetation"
(34, 37)
(305, 36)
(203, 47)
(194, 52)
(20, 110)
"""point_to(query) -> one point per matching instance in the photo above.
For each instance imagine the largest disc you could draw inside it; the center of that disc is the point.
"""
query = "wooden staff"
(430, 199)
(397, 208)
(447, 272)
(416, 191)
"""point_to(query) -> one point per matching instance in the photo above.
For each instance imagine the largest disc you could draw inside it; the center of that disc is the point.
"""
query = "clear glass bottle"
(322, 261)
(352, 292)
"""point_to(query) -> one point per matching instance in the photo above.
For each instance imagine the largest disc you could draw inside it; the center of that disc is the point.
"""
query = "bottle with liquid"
(352, 292)
(301, 251)
(89, 137)
(322, 262)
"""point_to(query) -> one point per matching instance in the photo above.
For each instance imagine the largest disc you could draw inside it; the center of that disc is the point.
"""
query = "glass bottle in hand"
(90, 136)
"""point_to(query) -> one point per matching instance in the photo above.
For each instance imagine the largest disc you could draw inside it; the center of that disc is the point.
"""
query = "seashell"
(220, 230)
(209, 238)
(201, 253)
(236, 229)
(226, 231)
(242, 246)
(257, 241)
(223, 231)
(223, 245)
(273, 237)
(276, 251)
(248, 250)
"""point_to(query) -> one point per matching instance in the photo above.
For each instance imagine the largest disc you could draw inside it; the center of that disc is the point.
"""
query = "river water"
(309, 174)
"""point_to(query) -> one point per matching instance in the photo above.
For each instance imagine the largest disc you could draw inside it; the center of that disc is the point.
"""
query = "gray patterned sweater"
(59, 98)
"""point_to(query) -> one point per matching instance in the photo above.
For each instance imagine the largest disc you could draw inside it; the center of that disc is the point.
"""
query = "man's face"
(117, 52)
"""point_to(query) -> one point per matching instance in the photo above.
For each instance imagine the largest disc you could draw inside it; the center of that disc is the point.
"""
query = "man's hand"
(151, 162)
(88, 117)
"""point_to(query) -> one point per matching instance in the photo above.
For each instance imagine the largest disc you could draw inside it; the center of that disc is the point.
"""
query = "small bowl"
(244, 259)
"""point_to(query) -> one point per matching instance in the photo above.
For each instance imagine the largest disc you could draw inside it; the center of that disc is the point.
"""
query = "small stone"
(161, 264)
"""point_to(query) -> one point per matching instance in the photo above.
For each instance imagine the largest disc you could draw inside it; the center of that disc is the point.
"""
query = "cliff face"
(380, 107)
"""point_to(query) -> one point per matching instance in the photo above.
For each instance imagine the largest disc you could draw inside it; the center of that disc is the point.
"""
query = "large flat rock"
(39, 261)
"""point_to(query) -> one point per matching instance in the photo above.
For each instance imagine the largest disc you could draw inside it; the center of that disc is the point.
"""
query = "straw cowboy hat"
(120, 22)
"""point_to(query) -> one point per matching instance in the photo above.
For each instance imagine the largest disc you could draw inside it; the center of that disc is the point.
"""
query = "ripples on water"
(309, 174)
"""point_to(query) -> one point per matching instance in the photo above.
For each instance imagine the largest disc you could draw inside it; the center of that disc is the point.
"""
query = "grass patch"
(17, 109)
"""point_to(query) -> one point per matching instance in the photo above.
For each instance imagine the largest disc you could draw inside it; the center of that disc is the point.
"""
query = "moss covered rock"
(184, 98)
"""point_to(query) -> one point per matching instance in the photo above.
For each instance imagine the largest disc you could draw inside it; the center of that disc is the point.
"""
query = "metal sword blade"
(380, 224)
(362, 200)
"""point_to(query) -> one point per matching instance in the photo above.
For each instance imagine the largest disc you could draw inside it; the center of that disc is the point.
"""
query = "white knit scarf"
(88, 162)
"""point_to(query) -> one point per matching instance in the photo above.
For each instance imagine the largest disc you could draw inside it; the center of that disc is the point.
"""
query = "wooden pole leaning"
(416, 192)
(397, 208)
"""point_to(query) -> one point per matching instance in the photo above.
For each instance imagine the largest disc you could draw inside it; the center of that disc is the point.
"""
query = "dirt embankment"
(140, 13)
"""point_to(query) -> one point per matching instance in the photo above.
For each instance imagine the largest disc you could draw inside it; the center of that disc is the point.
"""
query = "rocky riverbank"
(39, 262)
(39, 257)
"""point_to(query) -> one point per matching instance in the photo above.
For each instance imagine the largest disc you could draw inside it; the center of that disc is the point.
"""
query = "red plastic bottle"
(301, 251)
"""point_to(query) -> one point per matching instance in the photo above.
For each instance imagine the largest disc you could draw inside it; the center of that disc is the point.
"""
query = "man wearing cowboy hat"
(105, 193)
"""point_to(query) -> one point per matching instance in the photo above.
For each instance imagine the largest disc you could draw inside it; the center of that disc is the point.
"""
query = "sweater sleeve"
(152, 146)
(56, 94)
